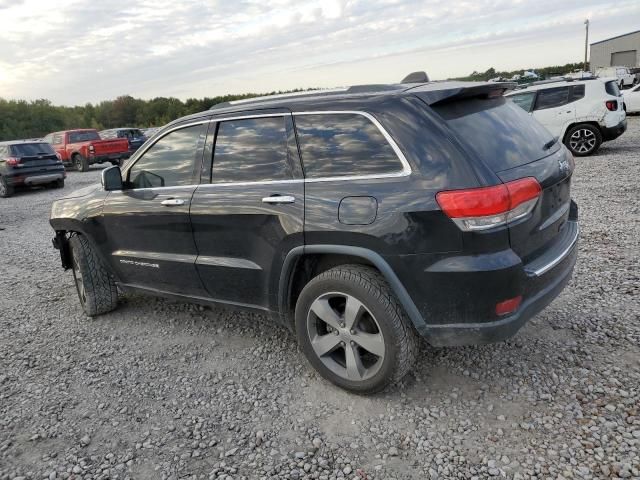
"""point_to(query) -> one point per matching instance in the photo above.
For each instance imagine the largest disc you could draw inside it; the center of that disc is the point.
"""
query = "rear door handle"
(172, 202)
(279, 199)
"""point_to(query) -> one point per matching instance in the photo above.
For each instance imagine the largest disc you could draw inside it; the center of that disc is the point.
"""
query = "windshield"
(84, 136)
(31, 149)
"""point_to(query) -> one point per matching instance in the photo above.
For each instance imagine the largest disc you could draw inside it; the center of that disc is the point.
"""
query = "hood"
(83, 192)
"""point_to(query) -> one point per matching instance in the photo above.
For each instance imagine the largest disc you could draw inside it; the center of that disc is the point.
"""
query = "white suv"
(582, 113)
(623, 74)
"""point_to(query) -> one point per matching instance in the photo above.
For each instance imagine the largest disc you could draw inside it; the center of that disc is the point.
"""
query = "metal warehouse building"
(623, 50)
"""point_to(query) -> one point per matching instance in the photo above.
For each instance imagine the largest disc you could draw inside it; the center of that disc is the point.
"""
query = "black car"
(361, 219)
(29, 163)
(135, 136)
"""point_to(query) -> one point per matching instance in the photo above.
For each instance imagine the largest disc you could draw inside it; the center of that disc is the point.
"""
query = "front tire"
(81, 163)
(583, 140)
(353, 330)
(95, 286)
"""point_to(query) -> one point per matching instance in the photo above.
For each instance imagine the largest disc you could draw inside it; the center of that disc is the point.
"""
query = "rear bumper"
(24, 177)
(110, 157)
(456, 297)
(611, 133)
(536, 301)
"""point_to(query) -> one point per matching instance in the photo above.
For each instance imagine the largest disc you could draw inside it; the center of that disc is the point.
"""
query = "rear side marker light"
(611, 105)
(13, 161)
(487, 207)
(508, 306)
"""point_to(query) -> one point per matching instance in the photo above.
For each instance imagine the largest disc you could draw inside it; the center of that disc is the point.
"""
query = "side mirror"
(112, 178)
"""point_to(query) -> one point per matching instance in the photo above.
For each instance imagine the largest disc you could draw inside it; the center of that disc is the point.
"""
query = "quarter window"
(553, 97)
(251, 150)
(57, 138)
(336, 145)
(170, 161)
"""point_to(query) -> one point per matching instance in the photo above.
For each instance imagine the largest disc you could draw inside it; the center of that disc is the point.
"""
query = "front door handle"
(172, 202)
(279, 199)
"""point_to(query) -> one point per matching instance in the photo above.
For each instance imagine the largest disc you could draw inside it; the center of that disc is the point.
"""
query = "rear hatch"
(39, 154)
(501, 137)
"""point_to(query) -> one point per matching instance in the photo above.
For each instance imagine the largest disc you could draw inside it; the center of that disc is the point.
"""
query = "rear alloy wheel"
(583, 140)
(5, 189)
(353, 330)
(80, 163)
(95, 286)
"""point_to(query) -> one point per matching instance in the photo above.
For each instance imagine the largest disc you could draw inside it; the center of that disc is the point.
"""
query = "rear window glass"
(31, 149)
(612, 88)
(497, 131)
(337, 145)
(77, 137)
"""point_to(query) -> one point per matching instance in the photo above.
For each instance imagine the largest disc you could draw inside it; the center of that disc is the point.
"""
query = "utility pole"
(586, 42)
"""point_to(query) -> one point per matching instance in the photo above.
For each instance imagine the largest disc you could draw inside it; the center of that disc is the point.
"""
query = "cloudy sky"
(77, 51)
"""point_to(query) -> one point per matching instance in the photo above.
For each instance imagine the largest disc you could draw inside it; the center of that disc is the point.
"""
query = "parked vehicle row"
(582, 113)
(359, 218)
(25, 163)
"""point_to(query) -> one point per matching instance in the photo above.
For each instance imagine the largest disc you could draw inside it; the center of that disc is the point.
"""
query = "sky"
(77, 51)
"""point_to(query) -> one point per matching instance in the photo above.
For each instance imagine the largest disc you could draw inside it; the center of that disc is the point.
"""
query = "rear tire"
(333, 337)
(58, 183)
(583, 139)
(5, 189)
(95, 285)
(80, 163)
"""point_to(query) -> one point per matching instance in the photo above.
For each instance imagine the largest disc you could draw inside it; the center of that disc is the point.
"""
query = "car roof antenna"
(416, 77)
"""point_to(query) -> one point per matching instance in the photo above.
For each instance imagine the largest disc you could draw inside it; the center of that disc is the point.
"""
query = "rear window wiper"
(550, 144)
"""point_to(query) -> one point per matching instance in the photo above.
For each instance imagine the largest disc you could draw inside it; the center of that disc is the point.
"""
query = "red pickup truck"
(81, 148)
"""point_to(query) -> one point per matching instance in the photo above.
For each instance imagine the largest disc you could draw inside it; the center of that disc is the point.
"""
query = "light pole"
(586, 42)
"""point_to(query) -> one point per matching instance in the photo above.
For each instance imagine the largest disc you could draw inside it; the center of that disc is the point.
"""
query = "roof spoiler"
(434, 93)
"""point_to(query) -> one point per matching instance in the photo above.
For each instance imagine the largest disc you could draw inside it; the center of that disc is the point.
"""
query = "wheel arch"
(305, 262)
(569, 126)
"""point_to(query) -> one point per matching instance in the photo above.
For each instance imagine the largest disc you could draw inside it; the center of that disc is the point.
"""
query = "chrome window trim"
(404, 172)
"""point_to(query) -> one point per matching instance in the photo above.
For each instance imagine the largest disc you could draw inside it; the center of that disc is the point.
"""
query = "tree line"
(544, 72)
(34, 119)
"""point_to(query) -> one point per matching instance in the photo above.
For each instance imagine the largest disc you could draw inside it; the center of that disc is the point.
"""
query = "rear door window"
(552, 97)
(251, 150)
(497, 131)
(343, 144)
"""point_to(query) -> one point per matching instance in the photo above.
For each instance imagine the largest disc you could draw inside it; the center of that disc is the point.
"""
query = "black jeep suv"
(360, 218)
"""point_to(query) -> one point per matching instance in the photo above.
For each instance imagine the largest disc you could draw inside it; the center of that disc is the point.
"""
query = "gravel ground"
(167, 390)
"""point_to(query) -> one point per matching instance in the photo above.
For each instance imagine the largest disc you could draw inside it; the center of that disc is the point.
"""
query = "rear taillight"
(488, 207)
(13, 161)
(611, 105)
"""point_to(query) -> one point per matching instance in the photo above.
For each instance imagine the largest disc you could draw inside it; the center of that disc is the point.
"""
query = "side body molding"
(379, 262)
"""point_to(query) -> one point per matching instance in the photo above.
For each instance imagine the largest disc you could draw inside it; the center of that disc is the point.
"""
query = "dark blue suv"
(134, 135)
(360, 218)
(25, 163)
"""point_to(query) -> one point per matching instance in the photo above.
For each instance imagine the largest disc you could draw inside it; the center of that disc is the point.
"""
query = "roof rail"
(267, 98)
